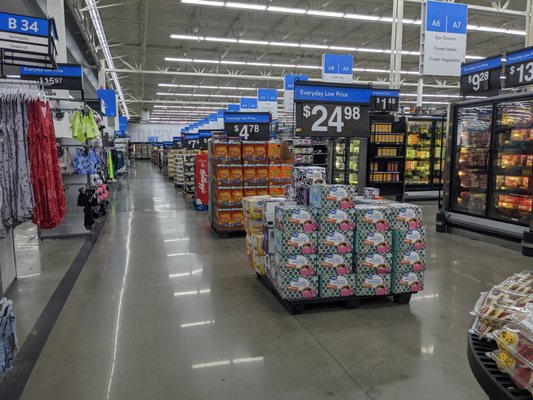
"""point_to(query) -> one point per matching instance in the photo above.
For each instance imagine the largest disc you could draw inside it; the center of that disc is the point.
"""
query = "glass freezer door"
(512, 183)
(418, 153)
(339, 161)
(438, 154)
(470, 175)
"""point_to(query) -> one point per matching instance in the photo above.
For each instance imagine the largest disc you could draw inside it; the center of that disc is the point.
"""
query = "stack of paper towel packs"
(344, 245)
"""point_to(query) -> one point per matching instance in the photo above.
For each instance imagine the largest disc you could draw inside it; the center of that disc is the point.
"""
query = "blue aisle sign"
(248, 103)
(444, 44)
(234, 107)
(122, 124)
(267, 95)
(483, 65)
(213, 117)
(26, 25)
(446, 17)
(332, 94)
(288, 92)
(108, 102)
(337, 68)
(220, 113)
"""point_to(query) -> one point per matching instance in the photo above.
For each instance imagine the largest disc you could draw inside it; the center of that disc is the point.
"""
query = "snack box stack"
(253, 225)
(302, 179)
(269, 217)
(335, 244)
(333, 196)
(189, 182)
(409, 244)
(227, 184)
(373, 251)
(293, 266)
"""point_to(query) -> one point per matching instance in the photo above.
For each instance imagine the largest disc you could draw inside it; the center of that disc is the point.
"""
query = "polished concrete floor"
(164, 309)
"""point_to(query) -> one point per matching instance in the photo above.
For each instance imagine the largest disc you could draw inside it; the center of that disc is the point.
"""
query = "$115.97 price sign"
(332, 120)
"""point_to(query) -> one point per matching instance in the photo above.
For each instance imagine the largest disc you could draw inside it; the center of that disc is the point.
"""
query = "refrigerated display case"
(489, 174)
(310, 151)
(424, 156)
(345, 161)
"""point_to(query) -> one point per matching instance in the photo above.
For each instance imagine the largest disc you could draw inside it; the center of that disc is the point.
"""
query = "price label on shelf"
(384, 100)
(519, 68)
(66, 76)
(248, 126)
(480, 77)
(196, 143)
(331, 119)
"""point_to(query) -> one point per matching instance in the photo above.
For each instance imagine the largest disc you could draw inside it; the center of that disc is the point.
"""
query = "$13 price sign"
(332, 120)
(519, 74)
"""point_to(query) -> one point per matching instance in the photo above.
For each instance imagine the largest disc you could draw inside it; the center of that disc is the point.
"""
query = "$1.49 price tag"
(332, 120)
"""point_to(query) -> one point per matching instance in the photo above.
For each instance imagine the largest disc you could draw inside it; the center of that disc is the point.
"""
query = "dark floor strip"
(13, 384)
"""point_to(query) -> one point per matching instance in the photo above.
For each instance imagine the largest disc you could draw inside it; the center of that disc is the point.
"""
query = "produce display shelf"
(298, 306)
(496, 384)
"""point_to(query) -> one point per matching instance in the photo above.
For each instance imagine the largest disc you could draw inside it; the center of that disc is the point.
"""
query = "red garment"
(50, 203)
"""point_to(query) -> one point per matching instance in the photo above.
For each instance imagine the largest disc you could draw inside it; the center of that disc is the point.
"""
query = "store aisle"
(164, 309)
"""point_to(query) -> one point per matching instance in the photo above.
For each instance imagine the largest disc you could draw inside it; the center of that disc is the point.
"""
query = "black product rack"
(496, 384)
(386, 155)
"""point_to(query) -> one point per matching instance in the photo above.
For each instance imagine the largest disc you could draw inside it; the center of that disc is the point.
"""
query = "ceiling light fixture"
(245, 6)
(204, 2)
(289, 10)
(325, 13)
(220, 39)
(100, 33)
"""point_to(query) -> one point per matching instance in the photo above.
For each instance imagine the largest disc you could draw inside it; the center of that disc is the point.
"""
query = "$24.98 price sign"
(332, 120)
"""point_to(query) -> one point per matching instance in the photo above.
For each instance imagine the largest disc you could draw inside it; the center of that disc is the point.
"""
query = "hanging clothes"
(65, 162)
(49, 194)
(83, 126)
(8, 335)
(16, 192)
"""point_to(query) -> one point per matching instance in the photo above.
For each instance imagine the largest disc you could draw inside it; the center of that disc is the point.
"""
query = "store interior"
(208, 199)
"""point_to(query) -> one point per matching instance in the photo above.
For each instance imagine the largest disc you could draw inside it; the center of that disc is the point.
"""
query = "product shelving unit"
(424, 156)
(310, 151)
(495, 383)
(386, 155)
(178, 164)
(142, 151)
(188, 174)
(489, 176)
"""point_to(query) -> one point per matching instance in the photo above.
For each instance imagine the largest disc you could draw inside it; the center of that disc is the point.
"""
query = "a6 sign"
(332, 120)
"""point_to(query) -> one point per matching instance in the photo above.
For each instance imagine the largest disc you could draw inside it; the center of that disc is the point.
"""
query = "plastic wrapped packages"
(498, 307)
(521, 283)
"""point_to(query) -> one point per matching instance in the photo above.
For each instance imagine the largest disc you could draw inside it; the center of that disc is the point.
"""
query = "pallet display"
(172, 163)
(341, 248)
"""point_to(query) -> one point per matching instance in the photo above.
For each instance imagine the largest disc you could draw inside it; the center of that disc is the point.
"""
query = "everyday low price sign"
(481, 77)
(519, 68)
(332, 110)
(65, 76)
(247, 126)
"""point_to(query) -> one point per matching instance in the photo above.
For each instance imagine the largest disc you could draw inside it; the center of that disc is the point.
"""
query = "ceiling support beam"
(529, 24)
(396, 44)
(144, 38)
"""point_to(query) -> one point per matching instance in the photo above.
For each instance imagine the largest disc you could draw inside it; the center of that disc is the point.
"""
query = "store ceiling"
(139, 33)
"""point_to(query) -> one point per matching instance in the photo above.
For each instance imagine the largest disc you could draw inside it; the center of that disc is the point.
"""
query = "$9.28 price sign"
(248, 131)
(332, 120)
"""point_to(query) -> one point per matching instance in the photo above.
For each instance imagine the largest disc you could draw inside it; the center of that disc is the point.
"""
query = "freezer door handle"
(487, 167)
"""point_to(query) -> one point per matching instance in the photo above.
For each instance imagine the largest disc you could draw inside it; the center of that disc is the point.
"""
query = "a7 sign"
(332, 120)
(248, 131)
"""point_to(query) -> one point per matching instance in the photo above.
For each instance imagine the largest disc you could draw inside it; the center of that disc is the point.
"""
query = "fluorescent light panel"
(292, 44)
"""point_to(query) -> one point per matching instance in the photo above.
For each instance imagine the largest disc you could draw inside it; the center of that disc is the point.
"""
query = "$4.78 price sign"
(250, 131)
(519, 74)
(332, 120)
